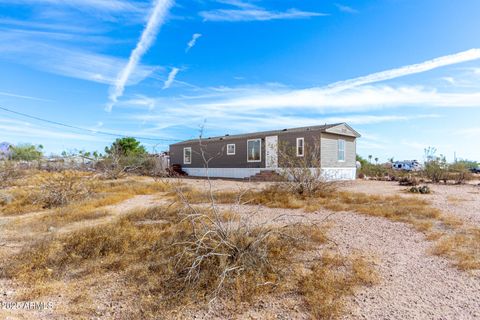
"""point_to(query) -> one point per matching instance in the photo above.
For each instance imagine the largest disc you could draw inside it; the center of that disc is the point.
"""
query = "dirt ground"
(414, 284)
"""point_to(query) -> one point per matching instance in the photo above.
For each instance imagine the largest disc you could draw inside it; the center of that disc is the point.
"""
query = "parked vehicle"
(407, 165)
(475, 170)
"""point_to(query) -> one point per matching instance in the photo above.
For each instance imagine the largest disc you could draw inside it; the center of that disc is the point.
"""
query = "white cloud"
(104, 5)
(346, 9)
(248, 12)
(171, 77)
(469, 132)
(353, 94)
(356, 99)
(155, 21)
(140, 102)
(16, 128)
(193, 41)
(68, 62)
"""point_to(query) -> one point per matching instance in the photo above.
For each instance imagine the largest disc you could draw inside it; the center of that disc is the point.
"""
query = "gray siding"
(216, 150)
(329, 151)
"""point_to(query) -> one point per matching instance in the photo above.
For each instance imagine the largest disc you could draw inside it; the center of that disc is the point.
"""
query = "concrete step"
(265, 175)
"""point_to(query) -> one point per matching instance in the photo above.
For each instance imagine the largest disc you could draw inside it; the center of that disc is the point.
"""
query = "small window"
(254, 150)
(230, 149)
(341, 150)
(187, 155)
(300, 147)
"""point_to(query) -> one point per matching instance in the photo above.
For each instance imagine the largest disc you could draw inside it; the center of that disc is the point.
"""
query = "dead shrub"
(302, 175)
(408, 180)
(9, 172)
(62, 188)
(459, 173)
(238, 258)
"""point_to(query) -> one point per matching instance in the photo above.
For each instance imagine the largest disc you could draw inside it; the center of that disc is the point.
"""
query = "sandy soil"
(414, 284)
(462, 201)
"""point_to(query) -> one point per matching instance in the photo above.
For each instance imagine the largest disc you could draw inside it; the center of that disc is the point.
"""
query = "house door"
(271, 152)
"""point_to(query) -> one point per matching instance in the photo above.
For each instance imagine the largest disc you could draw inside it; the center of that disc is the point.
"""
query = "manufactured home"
(245, 155)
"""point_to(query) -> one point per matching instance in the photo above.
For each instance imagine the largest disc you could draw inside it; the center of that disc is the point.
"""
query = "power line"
(80, 128)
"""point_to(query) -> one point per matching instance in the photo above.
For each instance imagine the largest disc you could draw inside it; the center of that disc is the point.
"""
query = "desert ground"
(414, 277)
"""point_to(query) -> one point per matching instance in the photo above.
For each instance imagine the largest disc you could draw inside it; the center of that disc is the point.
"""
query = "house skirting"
(339, 173)
(242, 173)
(235, 173)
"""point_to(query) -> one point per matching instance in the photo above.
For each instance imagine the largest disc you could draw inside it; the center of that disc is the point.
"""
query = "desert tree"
(26, 152)
(302, 172)
(124, 155)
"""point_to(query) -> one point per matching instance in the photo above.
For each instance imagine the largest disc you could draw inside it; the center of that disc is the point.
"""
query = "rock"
(5, 198)
(51, 229)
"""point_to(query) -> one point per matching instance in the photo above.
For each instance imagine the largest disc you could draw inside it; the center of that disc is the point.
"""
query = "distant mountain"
(5, 150)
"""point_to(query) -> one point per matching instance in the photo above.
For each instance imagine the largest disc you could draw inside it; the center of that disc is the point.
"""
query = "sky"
(404, 73)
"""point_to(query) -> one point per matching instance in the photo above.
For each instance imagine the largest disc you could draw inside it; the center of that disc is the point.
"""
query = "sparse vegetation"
(40, 190)
(187, 254)
(331, 279)
(181, 256)
(414, 211)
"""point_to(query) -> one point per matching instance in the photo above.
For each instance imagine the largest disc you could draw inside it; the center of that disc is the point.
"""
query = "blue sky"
(404, 73)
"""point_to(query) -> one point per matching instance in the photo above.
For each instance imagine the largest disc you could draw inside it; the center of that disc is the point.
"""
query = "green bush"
(26, 152)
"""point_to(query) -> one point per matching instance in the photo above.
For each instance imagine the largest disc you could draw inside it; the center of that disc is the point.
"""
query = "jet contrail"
(155, 21)
(464, 56)
(171, 78)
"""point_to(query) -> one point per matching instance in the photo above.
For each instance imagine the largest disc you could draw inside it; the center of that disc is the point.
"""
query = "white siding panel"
(331, 174)
(328, 174)
(236, 173)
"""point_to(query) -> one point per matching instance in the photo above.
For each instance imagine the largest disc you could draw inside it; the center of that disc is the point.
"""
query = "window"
(187, 155)
(254, 150)
(300, 147)
(230, 149)
(341, 150)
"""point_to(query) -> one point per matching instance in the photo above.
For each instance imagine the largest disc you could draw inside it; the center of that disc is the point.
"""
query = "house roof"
(321, 128)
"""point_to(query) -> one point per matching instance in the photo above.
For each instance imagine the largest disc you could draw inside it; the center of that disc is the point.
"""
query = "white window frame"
(303, 147)
(248, 150)
(234, 149)
(185, 153)
(341, 142)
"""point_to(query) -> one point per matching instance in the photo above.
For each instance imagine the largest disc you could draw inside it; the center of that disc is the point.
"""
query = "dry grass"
(462, 247)
(154, 262)
(332, 279)
(77, 191)
(452, 235)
